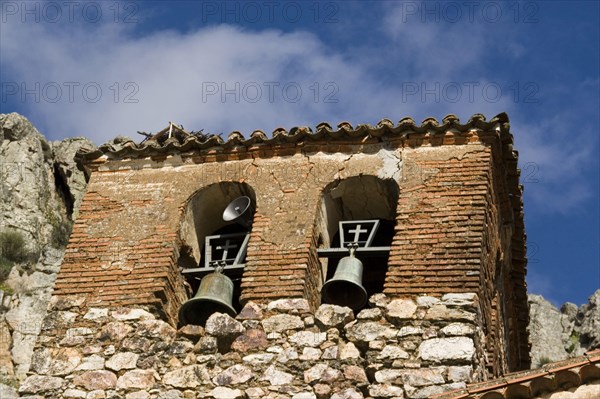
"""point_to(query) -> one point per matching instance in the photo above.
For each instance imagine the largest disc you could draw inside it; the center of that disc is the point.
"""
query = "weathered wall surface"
(454, 235)
(124, 245)
(437, 329)
(396, 349)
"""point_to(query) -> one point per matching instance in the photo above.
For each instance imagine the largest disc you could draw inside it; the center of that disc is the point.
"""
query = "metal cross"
(226, 248)
(357, 232)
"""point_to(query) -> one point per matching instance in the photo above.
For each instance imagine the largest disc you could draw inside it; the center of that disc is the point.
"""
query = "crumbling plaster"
(295, 182)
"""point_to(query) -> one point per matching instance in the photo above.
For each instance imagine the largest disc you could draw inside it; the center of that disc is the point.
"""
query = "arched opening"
(366, 206)
(208, 240)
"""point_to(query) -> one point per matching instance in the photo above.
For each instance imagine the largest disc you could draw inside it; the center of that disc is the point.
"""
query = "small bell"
(345, 287)
(214, 295)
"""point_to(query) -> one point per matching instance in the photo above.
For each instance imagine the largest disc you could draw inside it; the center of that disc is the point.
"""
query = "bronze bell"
(214, 295)
(345, 287)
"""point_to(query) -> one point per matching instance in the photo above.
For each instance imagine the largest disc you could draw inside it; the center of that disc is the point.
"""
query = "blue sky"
(101, 69)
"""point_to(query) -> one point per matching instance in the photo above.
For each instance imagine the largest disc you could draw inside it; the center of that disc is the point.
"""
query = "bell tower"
(382, 261)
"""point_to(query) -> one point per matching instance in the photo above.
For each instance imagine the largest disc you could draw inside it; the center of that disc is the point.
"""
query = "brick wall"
(453, 201)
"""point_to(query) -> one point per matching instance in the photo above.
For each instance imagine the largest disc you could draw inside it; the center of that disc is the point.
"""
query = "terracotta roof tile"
(174, 138)
(552, 377)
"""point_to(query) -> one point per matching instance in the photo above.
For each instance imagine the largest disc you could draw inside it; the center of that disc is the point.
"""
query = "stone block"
(138, 395)
(424, 377)
(400, 309)
(73, 394)
(258, 358)
(310, 354)
(427, 301)
(442, 312)
(250, 311)
(277, 377)
(226, 393)
(40, 384)
(141, 379)
(379, 300)
(390, 376)
(122, 360)
(96, 314)
(93, 362)
(290, 305)
(321, 373)
(191, 332)
(460, 373)
(364, 332)
(187, 377)
(155, 329)
(447, 349)
(348, 393)
(458, 329)
(234, 375)
(392, 352)
(370, 314)
(385, 391)
(251, 340)
(114, 331)
(281, 323)
(460, 299)
(349, 351)
(333, 316)
(356, 374)
(308, 338)
(96, 379)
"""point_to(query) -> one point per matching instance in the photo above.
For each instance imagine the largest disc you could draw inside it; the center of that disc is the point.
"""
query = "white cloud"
(415, 72)
(272, 79)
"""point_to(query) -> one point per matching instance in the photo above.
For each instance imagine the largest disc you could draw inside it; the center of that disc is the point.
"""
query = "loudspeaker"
(240, 210)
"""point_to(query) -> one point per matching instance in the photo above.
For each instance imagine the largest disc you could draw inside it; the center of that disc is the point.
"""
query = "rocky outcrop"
(559, 334)
(588, 323)
(41, 187)
(71, 174)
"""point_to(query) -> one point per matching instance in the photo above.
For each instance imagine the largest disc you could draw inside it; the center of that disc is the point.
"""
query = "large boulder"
(545, 331)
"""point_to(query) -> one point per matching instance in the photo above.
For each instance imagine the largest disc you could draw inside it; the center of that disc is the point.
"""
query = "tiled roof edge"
(184, 141)
(575, 364)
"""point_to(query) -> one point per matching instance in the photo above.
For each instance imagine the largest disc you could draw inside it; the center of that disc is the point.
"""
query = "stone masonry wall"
(401, 348)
